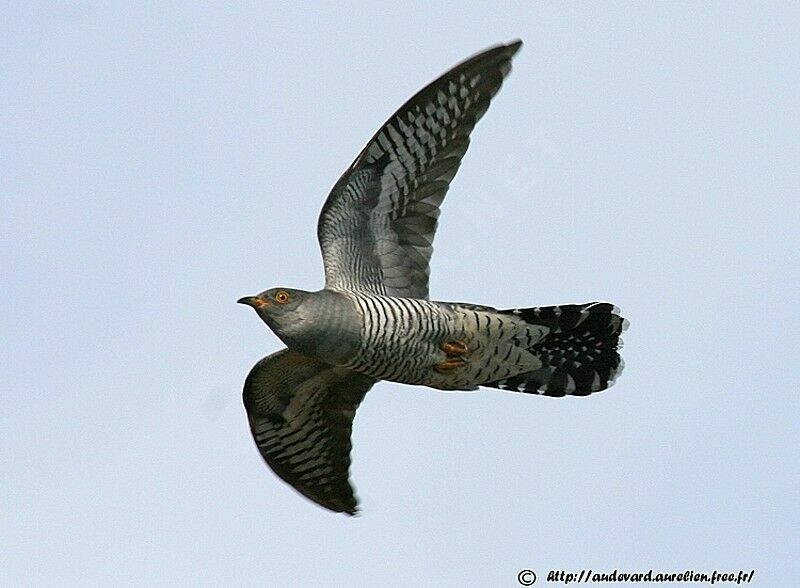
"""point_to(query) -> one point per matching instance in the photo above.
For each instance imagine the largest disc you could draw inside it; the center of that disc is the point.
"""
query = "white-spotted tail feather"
(580, 354)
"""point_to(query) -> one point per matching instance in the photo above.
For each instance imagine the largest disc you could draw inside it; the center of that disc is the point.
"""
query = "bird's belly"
(401, 356)
(401, 339)
(439, 345)
(424, 362)
(475, 348)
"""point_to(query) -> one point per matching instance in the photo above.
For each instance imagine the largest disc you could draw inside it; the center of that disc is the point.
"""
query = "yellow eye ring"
(282, 297)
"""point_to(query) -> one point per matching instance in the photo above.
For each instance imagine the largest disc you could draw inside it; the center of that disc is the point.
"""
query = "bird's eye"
(281, 297)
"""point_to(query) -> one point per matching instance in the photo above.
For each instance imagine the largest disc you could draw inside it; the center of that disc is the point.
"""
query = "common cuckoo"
(374, 321)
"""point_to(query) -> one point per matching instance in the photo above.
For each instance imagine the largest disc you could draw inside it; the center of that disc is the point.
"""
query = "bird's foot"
(454, 348)
(449, 364)
(455, 351)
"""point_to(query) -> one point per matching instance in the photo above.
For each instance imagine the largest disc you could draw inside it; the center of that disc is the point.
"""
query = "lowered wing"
(301, 415)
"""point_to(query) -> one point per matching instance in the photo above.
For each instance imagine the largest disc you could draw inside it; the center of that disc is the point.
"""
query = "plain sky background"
(158, 161)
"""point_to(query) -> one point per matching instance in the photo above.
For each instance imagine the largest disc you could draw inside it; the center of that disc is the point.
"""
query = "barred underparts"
(374, 320)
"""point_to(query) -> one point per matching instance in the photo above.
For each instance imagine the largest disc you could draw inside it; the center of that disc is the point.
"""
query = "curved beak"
(253, 301)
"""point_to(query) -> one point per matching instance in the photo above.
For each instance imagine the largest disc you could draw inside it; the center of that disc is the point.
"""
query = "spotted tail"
(579, 355)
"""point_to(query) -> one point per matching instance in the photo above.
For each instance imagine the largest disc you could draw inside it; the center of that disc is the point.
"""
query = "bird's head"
(323, 324)
(288, 312)
(278, 307)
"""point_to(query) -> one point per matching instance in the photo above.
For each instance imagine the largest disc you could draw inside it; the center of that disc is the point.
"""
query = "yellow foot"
(449, 364)
(452, 348)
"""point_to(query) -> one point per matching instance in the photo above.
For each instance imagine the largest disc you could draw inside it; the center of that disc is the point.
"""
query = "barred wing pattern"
(377, 226)
(301, 415)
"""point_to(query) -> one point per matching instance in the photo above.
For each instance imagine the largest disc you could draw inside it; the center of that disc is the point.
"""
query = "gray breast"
(328, 327)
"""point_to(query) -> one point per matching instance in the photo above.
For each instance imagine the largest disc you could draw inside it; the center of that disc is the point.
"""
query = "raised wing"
(301, 415)
(377, 227)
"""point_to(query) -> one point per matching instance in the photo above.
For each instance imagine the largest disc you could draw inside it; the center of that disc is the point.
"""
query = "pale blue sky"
(159, 161)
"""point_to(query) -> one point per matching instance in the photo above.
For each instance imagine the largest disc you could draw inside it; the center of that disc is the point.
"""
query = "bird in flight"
(374, 320)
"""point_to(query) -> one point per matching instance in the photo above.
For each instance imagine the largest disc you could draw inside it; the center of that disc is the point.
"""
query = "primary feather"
(374, 320)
